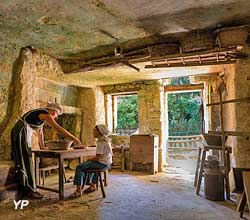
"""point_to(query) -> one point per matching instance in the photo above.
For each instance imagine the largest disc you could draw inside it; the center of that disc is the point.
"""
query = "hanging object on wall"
(118, 51)
(221, 85)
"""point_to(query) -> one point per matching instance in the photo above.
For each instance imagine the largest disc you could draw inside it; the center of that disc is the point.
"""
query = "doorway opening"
(185, 123)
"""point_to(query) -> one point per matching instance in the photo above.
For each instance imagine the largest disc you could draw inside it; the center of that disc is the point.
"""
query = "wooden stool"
(98, 173)
(202, 153)
(49, 168)
(242, 185)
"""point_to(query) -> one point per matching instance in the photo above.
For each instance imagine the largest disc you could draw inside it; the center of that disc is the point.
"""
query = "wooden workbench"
(60, 155)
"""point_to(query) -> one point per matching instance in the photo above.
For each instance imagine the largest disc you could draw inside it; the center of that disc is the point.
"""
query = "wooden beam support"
(245, 99)
(231, 133)
(184, 87)
(142, 55)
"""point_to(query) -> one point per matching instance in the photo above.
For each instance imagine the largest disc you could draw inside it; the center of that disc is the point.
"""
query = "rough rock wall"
(215, 109)
(8, 54)
(238, 116)
(5, 80)
(20, 99)
(29, 88)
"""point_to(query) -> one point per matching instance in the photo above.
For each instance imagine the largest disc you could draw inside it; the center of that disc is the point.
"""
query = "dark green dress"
(21, 151)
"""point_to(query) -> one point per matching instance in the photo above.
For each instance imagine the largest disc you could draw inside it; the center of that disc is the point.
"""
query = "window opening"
(127, 114)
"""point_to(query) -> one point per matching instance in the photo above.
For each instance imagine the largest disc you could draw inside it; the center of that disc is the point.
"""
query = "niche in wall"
(67, 121)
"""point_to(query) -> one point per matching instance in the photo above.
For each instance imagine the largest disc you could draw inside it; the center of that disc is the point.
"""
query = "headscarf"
(56, 107)
(103, 129)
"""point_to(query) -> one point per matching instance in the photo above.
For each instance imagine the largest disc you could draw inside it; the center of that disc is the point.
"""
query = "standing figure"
(102, 160)
(21, 143)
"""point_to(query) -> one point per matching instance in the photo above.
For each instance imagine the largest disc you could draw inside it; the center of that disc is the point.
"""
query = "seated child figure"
(102, 160)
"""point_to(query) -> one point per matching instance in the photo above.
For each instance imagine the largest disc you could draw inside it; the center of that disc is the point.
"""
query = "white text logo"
(21, 203)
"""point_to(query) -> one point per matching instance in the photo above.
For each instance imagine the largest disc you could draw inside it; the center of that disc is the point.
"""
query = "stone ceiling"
(74, 31)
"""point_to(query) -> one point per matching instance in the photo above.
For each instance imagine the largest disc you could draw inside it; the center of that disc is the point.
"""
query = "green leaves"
(127, 112)
(184, 113)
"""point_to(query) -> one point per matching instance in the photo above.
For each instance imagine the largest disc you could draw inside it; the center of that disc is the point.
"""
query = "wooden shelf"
(231, 133)
(240, 100)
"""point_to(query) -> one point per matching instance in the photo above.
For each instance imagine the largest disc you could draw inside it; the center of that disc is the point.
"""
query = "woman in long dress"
(21, 143)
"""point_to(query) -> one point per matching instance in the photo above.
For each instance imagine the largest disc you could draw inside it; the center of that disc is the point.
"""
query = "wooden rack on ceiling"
(212, 58)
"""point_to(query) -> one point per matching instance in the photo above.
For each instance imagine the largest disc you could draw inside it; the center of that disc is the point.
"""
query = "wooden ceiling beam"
(199, 86)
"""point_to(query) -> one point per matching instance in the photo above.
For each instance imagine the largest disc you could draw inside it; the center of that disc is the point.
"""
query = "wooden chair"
(98, 173)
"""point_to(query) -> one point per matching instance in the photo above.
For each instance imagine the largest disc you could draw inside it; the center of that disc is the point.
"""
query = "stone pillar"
(109, 113)
(91, 100)
(237, 115)
(151, 114)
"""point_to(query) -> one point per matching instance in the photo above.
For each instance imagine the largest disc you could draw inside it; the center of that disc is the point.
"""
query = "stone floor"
(130, 196)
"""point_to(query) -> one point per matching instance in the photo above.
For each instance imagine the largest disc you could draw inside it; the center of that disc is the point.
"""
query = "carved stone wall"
(30, 87)
(237, 115)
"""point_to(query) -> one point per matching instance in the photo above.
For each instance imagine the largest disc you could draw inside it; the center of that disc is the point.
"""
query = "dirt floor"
(130, 196)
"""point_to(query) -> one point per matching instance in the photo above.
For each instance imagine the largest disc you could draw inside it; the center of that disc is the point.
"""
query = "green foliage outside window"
(184, 114)
(183, 111)
(127, 112)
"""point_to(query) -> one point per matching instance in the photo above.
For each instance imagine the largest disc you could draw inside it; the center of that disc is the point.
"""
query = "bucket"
(214, 184)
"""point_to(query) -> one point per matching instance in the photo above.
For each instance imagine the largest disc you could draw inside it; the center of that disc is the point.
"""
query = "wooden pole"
(222, 130)
(223, 140)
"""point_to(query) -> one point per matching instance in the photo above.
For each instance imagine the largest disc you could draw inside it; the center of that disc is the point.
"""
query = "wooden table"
(60, 155)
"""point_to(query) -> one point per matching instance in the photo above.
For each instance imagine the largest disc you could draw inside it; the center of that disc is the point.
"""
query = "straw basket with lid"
(232, 36)
(197, 40)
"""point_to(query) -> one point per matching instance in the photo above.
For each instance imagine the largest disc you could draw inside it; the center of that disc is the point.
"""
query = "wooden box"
(144, 153)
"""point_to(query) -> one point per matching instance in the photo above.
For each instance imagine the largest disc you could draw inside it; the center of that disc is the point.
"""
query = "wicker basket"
(197, 40)
(164, 49)
(232, 36)
(59, 144)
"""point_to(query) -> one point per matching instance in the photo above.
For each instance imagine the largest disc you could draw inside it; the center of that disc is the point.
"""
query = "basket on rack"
(197, 40)
(232, 36)
(164, 49)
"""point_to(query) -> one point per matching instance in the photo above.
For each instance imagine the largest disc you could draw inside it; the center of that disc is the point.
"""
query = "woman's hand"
(77, 141)
(44, 147)
(83, 146)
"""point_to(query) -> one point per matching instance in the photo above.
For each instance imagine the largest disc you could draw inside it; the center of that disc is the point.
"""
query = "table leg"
(226, 170)
(61, 175)
(80, 159)
(201, 171)
(242, 204)
(37, 176)
(197, 167)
